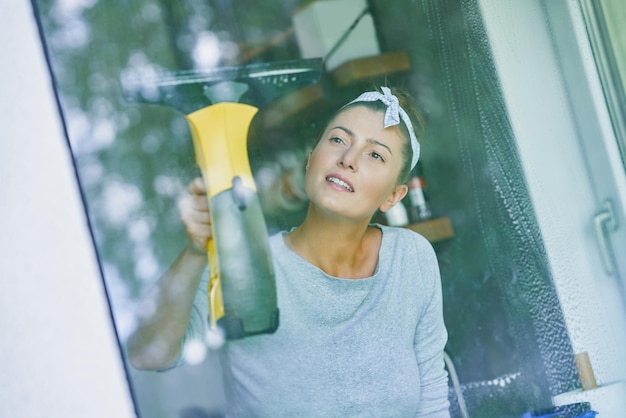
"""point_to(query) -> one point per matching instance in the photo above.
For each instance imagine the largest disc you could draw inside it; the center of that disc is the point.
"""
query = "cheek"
(384, 187)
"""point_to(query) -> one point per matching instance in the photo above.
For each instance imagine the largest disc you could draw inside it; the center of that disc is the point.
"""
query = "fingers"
(196, 195)
(197, 186)
(194, 199)
(194, 213)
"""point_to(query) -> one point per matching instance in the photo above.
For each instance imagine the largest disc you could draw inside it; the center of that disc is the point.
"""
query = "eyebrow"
(369, 140)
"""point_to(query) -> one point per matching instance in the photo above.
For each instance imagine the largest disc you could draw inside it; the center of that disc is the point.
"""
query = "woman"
(362, 330)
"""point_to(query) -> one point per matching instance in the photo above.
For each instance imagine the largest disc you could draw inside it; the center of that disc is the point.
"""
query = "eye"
(377, 156)
(336, 140)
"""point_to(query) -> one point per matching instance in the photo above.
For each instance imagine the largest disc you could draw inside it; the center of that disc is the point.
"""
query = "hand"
(195, 215)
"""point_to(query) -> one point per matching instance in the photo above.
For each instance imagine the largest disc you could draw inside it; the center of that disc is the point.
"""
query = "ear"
(308, 160)
(396, 196)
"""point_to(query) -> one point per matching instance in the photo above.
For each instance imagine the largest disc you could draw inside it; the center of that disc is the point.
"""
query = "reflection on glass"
(507, 338)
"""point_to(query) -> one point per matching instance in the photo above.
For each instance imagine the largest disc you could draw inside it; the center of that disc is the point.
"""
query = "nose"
(348, 160)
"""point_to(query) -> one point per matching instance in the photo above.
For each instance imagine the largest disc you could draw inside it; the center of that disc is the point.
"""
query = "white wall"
(58, 350)
(559, 185)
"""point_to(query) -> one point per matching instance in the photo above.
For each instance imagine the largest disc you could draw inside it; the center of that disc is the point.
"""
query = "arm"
(164, 313)
(430, 339)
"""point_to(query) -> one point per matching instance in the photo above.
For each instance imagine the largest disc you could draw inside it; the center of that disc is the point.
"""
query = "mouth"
(341, 183)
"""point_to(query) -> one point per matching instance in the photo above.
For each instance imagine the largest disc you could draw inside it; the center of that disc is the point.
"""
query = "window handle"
(604, 222)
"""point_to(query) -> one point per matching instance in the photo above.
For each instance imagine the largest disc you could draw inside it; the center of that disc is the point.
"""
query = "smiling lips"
(340, 182)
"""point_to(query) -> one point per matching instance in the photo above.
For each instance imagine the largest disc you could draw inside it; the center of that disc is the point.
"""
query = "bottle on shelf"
(417, 203)
(397, 215)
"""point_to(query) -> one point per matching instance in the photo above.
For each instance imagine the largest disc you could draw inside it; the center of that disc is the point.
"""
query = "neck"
(345, 249)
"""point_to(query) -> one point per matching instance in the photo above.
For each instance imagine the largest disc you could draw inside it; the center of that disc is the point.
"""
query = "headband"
(392, 115)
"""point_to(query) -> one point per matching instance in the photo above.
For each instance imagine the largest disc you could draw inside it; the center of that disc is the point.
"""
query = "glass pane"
(507, 337)
(604, 20)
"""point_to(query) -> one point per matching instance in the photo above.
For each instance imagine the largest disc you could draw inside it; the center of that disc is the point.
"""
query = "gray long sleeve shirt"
(370, 347)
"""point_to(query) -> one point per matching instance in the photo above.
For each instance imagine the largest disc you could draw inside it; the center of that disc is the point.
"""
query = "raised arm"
(164, 312)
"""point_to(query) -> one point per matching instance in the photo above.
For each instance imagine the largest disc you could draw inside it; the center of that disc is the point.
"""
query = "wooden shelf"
(365, 68)
(434, 230)
(292, 104)
(308, 100)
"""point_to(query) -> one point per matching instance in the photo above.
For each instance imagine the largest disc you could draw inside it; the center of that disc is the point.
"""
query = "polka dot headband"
(393, 115)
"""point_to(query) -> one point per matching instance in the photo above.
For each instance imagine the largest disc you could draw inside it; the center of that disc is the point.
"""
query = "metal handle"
(604, 223)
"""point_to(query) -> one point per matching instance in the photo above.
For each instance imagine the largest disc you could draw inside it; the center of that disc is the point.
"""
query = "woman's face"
(354, 168)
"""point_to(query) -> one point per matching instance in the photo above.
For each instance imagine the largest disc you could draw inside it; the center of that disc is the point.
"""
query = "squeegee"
(219, 105)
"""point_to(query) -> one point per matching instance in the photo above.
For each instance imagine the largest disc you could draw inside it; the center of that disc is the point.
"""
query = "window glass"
(507, 337)
(608, 39)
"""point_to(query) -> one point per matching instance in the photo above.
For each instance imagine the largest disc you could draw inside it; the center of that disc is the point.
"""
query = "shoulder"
(410, 255)
(278, 248)
(277, 240)
(405, 241)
